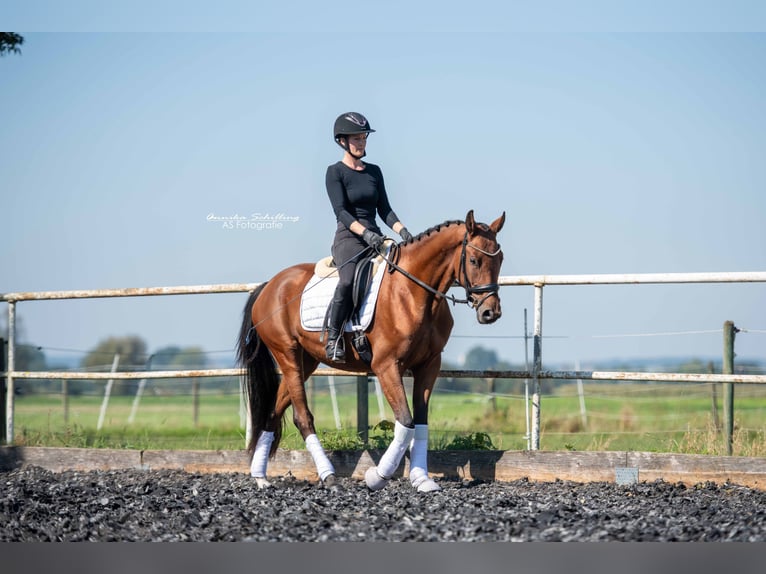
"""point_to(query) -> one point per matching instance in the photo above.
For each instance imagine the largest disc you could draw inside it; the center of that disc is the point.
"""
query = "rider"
(356, 192)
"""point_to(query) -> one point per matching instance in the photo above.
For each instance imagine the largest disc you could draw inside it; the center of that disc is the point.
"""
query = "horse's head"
(480, 261)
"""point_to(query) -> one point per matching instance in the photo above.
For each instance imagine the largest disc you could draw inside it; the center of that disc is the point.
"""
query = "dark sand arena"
(134, 505)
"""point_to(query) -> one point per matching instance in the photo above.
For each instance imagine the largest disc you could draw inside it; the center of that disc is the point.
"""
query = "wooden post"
(714, 406)
(581, 394)
(334, 401)
(140, 392)
(492, 398)
(195, 401)
(728, 388)
(379, 396)
(312, 395)
(65, 399)
(362, 408)
(107, 393)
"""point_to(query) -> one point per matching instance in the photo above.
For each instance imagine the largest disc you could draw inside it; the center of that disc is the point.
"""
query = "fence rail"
(447, 373)
(535, 374)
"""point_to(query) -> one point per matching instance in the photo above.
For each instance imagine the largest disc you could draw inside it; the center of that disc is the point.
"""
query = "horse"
(409, 330)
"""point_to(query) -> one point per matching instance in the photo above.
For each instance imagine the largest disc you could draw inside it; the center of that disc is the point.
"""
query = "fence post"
(581, 394)
(10, 367)
(195, 402)
(729, 331)
(2, 390)
(714, 394)
(492, 397)
(65, 399)
(527, 435)
(362, 408)
(334, 401)
(537, 366)
(140, 392)
(107, 393)
(246, 408)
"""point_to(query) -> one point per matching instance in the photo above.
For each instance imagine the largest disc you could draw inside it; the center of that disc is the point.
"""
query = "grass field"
(624, 417)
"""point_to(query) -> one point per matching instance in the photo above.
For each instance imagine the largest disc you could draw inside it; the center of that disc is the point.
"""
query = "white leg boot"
(261, 459)
(419, 461)
(377, 476)
(323, 464)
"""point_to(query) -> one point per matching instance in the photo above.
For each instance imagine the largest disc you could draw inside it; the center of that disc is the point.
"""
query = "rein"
(489, 288)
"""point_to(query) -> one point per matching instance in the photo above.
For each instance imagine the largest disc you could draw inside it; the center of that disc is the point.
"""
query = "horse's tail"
(261, 378)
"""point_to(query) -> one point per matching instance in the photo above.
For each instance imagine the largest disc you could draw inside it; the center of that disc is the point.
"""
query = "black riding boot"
(339, 311)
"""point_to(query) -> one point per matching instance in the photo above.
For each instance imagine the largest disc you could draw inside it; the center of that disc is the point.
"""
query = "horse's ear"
(497, 225)
(470, 223)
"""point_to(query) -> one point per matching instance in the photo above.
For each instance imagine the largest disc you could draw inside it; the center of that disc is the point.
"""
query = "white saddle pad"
(319, 291)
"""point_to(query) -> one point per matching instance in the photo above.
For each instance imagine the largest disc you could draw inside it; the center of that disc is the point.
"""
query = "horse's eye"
(474, 262)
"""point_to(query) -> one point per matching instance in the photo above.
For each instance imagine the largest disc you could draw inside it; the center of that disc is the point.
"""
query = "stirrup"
(336, 350)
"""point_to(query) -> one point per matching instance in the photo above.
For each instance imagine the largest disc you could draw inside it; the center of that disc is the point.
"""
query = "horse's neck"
(431, 259)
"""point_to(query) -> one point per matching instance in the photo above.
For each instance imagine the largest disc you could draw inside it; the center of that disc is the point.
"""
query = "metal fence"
(534, 375)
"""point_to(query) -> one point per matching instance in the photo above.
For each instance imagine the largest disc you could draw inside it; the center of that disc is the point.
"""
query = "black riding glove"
(405, 234)
(373, 239)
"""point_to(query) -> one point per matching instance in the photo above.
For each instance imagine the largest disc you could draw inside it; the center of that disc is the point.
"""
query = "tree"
(480, 359)
(173, 357)
(28, 357)
(10, 42)
(132, 351)
(131, 348)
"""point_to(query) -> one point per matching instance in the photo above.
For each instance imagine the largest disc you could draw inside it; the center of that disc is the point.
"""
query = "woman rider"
(356, 192)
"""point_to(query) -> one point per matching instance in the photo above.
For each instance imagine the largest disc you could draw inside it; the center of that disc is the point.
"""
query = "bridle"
(470, 290)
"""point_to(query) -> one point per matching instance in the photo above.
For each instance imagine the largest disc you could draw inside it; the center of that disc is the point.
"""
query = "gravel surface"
(133, 505)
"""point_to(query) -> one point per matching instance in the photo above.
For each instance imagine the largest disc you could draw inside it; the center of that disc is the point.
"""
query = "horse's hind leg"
(293, 379)
(263, 446)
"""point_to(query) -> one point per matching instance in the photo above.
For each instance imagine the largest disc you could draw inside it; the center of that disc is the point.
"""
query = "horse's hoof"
(373, 479)
(427, 485)
(262, 483)
(329, 481)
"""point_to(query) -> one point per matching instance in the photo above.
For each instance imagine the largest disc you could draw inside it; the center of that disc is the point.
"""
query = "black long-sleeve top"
(358, 195)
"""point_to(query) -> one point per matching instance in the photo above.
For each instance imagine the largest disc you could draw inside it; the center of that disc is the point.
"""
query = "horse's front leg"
(425, 379)
(391, 383)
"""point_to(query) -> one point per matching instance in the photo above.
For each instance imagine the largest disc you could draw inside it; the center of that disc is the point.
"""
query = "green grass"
(624, 417)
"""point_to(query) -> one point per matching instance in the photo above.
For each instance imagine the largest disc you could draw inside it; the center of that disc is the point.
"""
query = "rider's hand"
(373, 239)
(405, 234)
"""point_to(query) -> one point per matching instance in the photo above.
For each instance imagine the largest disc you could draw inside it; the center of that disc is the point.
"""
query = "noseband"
(470, 290)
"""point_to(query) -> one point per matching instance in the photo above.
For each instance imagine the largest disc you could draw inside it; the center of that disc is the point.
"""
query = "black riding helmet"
(348, 124)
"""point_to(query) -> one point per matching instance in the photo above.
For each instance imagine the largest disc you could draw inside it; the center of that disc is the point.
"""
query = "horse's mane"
(434, 229)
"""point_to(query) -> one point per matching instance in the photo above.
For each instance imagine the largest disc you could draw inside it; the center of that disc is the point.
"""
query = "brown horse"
(409, 330)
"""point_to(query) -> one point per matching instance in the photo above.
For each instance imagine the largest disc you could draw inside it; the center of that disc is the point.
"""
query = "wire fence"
(640, 416)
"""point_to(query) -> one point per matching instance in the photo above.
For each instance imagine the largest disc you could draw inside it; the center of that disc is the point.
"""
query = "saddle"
(318, 292)
(363, 275)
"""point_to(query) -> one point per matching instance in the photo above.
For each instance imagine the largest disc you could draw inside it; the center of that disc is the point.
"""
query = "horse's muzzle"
(488, 316)
(488, 310)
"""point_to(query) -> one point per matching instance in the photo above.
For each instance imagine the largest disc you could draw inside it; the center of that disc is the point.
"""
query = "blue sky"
(613, 147)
